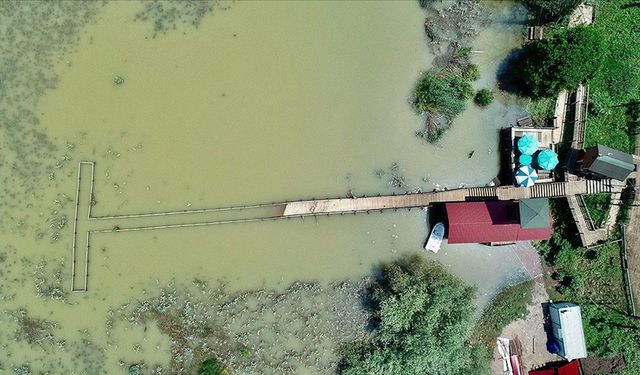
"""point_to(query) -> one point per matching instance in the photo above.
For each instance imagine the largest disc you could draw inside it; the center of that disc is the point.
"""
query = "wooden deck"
(364, 204)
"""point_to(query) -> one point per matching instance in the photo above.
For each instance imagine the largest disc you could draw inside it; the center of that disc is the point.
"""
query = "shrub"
(211, 367)
(471, 72)
(483, 97)
(441, 93)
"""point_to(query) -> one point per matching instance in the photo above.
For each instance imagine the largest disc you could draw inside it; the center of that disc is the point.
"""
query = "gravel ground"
(530, 332)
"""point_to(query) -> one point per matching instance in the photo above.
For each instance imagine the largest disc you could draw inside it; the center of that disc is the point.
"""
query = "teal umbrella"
(525, 159)
(547, 159)
(526, 176)
(528, 144)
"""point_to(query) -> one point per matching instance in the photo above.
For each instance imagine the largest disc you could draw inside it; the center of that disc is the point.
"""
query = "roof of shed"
(534, 213)
(612, 163)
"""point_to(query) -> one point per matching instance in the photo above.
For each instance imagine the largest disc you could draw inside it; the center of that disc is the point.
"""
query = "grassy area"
(592, 279)
(598, 206)
(615, 88)
(509, 305)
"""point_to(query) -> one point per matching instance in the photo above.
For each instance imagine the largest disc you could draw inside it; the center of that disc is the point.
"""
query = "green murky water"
(261, 102)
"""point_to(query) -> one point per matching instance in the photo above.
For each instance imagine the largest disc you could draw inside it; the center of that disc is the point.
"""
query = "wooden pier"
(364, 204)
(87, 225)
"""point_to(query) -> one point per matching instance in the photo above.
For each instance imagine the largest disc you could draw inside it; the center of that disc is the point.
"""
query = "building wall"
(590, 155)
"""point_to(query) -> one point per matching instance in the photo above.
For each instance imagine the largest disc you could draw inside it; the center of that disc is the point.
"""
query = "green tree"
(562, 62)
(545, 11)
(483, 97)
(424, 317)
(442, 93)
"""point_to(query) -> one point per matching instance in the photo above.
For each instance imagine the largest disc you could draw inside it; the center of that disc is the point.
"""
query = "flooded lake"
(261, 102)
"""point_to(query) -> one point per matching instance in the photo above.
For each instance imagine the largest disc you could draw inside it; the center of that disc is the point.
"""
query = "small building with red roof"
(495, 222)
(567, 368)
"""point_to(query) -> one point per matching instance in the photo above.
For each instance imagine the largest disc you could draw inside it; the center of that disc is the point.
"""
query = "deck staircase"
(482, 193)
(599, 186)
(548, 190)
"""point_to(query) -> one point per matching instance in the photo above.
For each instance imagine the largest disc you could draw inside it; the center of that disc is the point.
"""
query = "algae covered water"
(199, 105)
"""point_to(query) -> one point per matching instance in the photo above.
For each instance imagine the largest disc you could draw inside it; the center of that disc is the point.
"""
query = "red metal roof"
(490, 221)
(571, 368)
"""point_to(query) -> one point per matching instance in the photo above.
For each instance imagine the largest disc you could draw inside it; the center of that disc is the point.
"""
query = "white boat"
(435, 239)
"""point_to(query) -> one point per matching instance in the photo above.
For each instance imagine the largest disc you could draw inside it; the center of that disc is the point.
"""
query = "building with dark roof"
(606, 162)
(494, 222)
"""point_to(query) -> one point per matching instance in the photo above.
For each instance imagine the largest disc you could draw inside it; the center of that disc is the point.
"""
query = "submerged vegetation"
(213, 331)
(168, 15)
(442, 92)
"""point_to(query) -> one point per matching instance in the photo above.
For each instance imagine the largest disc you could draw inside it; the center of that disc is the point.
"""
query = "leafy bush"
(570, 57)
(423, 317)
(442, 93)
(211, 367)
(483, 97)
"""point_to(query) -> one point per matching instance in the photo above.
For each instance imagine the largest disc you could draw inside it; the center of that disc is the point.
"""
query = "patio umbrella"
(526, 176)
(528, 144)
(525, 159)
(547, 159)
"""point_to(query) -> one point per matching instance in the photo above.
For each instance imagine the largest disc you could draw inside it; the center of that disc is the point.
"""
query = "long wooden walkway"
(87, 225)
(363, 204)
